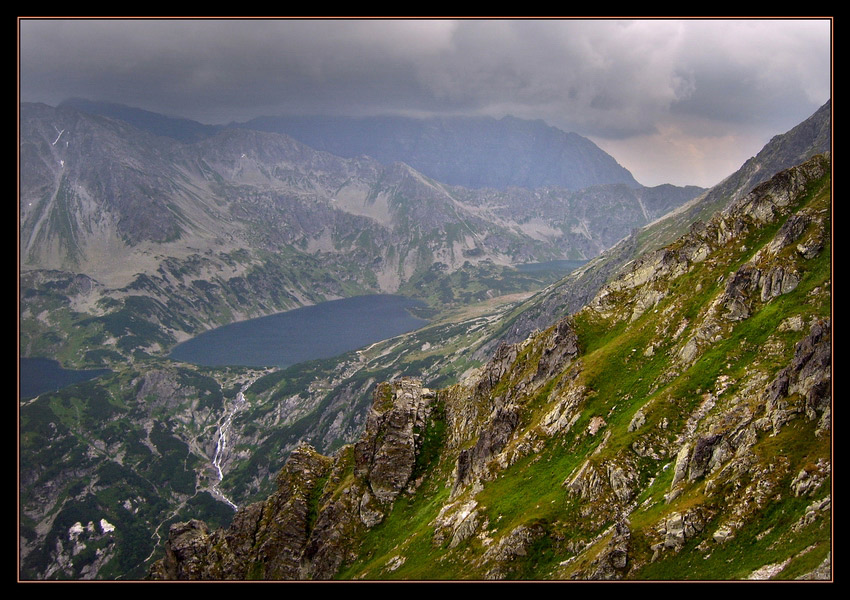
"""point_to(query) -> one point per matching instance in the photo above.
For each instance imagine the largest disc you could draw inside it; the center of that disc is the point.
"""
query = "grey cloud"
(605, 79)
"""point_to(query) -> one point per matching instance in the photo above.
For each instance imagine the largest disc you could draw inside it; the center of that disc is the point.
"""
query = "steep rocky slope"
(677, 427)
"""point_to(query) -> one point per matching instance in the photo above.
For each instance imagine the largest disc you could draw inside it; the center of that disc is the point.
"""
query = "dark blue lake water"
(40, 375)
(321, 331)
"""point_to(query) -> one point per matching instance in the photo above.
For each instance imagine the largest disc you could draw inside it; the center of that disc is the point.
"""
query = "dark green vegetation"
(111, 449)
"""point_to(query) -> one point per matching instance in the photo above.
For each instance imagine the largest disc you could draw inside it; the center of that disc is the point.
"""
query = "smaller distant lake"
(321, 331)
(40, 375)
(565, 266)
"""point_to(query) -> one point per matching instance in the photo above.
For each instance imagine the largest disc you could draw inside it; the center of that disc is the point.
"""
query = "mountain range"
(469, 152)
(132, 240)
(269, 224)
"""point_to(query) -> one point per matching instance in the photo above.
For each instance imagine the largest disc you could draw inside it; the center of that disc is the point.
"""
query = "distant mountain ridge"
(183, 130)
(270, 223)
(474, 152)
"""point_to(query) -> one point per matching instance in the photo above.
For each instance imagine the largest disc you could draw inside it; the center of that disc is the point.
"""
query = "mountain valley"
(677, 422)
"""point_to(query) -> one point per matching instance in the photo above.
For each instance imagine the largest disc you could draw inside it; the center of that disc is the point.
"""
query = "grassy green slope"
(744, 515)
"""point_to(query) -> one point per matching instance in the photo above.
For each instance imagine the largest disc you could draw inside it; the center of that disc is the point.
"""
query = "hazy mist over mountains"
(470, 152)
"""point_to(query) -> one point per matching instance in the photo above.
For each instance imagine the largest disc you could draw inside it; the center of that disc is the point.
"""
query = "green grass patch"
(404, 532)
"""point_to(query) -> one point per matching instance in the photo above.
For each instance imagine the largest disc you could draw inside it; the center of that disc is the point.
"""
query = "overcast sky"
(674, 101)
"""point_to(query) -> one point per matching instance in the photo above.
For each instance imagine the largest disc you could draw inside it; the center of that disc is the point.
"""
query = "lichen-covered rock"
(614, 481)
(678, 527)
(561, 347)
(703, 449)
(457, 520)
(789, 233)
(809, 377)
(809, 479)
(510, 547)
(185, 552)
(543, 357)
(331, 540)
(565, 412)
(813, 511)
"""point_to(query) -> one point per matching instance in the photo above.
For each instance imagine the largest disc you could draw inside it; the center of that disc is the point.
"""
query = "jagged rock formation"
(264, 539)
(676, 427)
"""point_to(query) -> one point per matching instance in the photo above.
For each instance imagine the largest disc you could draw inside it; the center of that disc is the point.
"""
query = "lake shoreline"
(322, 330)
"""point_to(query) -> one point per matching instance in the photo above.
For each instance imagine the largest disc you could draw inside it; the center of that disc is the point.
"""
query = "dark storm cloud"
(672, 83)
(228, 69)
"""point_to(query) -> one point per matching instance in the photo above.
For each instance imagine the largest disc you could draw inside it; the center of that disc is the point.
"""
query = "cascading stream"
(221, 445)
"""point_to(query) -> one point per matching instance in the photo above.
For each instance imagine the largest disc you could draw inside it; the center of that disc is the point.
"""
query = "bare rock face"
(495, 437)
(613, 560)
(778, 192)
(330, 540)
(548, 355)
(789, 233)
(497, 366)
(386, 453)
(680, 527)
(809, 375)
(185, 551)
(561, 348)
(614, 481)
(512, 546)
(703, 451)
